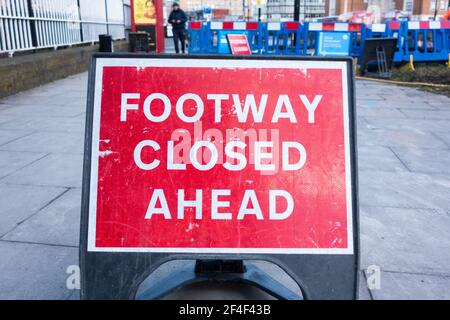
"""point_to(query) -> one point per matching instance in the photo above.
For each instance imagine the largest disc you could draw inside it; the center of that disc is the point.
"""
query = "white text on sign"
(205, 154)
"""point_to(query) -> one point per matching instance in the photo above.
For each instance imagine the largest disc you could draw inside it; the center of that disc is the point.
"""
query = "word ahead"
(220, 156)
(249, 199)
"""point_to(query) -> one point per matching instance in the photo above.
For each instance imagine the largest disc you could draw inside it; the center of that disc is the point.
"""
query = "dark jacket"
(178, 15)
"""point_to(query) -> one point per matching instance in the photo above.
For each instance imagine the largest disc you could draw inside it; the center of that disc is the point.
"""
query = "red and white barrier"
(230, 25)
(381, 27)
(415, 25)
(292, 25)
(346, 27)
(273, 26)
(378, 27)
(394, 25)
(195, 25)
(319, 26)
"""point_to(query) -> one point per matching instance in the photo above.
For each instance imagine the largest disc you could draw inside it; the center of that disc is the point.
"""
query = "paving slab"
(40, 141)
(427, 114)
(405, 102)
(18, 203)
(424, 160)
(48, 97)
(370, 103)
(375, 97)
(56, 224)
(58, 170)
(6, 118)
(30, 271)
(11, 135)
(405, 240)
(439, 104)
(381, 113)
(46, 124)
(41, 110)
(443, 136)
(400, 138)
(433, 126)
(379, 158)
(405, 286)
(11, 161)
(404, 189)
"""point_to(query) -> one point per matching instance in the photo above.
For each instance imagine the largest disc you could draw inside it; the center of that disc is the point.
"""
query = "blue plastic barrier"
(356, 32)
(196, 37)
(391, 29)
(427, 40)
(421, 40)
(293, 38)
(273, 38)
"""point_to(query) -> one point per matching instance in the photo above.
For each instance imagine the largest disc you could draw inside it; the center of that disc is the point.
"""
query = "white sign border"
(214, 63)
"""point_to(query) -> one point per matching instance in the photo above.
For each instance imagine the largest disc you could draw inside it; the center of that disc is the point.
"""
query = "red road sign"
(238, 44)
(221, 156)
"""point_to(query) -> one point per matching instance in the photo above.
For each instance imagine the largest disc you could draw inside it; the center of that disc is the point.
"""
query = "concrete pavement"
(404, 174)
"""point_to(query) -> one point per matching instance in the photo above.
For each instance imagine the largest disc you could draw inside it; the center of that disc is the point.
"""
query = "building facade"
(415, 9)
(338, 7)
(423, 9)
(235, 7)
(283, 10)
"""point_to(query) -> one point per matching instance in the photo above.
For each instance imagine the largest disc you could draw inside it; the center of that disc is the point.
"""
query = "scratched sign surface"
(220, 156)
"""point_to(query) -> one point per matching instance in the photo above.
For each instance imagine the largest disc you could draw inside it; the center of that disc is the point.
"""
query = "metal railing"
(35, 24)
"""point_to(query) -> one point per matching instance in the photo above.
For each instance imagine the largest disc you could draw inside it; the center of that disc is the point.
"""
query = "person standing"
(177, 19)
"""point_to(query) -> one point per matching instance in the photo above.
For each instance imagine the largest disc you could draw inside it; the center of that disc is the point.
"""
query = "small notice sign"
(333, 44)
(238, 44)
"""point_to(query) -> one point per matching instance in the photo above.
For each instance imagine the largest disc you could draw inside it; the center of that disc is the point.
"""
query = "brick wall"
(426, 7)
